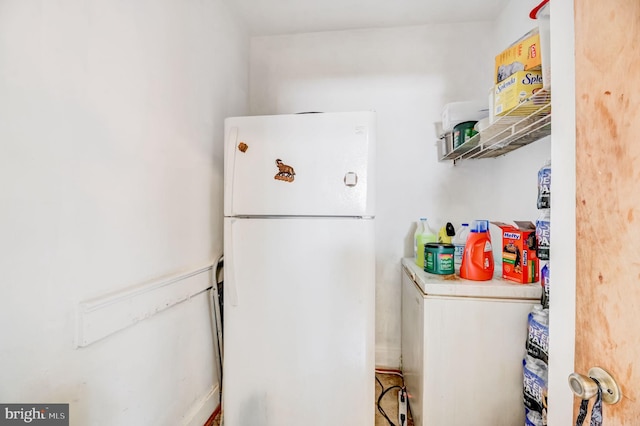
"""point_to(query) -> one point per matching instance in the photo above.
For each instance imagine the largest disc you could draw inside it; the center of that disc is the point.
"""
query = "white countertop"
(453, 285)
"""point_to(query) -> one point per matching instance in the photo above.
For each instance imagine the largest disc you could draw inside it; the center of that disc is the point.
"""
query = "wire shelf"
(526, 123)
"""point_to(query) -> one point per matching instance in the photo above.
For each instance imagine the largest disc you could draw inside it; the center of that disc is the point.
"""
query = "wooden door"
(608, 197)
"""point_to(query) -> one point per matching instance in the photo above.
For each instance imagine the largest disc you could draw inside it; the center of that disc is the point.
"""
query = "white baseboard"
(102, 316)
(388, 358)
(202, 409)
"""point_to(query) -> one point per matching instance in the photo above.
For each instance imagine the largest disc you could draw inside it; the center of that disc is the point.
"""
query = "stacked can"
(535, 378)
(536, 360)
(543, 229)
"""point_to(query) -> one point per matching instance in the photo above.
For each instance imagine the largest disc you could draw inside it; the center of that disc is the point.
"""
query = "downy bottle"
(477, 261)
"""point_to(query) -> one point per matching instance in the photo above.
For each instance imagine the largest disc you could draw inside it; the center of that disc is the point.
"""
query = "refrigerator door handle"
(230, 149)
(231, 291)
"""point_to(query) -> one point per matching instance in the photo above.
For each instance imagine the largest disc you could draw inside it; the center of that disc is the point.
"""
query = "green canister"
(438, 258)
(463, 132)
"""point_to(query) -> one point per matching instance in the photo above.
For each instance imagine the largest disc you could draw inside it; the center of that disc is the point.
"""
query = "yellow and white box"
(515, 89)
(523, 55)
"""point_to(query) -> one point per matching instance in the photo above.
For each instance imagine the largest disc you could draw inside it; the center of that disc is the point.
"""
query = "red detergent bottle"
(477, 260)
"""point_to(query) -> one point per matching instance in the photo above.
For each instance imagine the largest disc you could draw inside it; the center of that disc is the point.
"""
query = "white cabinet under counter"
(462, 348)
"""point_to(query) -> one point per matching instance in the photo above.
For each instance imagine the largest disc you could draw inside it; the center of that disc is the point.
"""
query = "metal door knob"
(584, 387)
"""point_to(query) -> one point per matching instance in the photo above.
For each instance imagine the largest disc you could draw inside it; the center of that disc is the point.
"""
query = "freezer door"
(300, 164)
(299, 322)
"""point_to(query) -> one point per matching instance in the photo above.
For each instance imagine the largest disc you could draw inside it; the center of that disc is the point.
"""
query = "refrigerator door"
(300, 165)
(299, 322)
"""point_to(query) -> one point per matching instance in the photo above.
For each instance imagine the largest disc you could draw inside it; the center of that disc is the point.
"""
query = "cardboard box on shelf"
(523, 55)
(509, 93)
(519, 260)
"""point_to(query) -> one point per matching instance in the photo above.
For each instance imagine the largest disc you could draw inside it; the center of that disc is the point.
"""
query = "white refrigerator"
(299, 295)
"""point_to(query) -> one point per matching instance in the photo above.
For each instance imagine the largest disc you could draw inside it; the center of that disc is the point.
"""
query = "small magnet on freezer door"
(285, 172)
(243, 147)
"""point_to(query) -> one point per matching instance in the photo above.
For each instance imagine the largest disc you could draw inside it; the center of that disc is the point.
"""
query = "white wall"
(562, 153)
(519, 167)
(406, 75)
(513, 22)
(111, 129)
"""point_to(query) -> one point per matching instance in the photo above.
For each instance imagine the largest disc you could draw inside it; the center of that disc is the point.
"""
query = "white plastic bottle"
(459, 241)
(426, 235)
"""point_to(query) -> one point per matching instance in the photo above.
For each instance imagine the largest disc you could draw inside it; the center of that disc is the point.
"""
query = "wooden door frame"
(563, 216)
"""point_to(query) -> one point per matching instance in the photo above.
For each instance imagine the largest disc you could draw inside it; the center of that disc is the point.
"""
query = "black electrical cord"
(383, 392)
(218, 300)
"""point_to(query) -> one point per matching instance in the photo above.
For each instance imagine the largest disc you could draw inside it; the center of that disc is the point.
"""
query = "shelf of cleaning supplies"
(526, 123)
